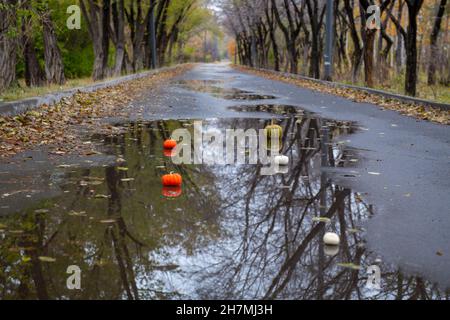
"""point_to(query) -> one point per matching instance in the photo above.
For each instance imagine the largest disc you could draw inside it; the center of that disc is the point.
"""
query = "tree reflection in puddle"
(231, 233)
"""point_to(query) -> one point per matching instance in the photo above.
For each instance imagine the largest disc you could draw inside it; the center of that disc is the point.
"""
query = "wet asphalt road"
(411, 226)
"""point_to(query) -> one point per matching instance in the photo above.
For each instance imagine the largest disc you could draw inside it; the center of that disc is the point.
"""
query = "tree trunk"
(54, 68)
(271, 21)
(119, 20)
(94, 19)
(400, 45)
(369, 42)
(368, 36)
(98, 72)
(411, 47)
(34, 75)
(292, 56)
(433, 43)
(8, 45)
(357, 51)
(314, 68)
(105, 32)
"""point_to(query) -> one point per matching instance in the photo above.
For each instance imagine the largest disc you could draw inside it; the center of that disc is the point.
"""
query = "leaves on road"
(408, 109)
(60, 126)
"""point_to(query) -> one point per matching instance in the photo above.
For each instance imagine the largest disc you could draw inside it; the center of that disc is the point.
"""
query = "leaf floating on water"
(41, 211)
(101, 262)
(95, 183)
(78, 214)
(169, 267)
(26, 259)
(16, 231)
(349, 265)
(64, 166)
(92, 153)
(58, 153)
(108, 221)
(102, 196)
(47, 259)
(321, 219)
(19, 249)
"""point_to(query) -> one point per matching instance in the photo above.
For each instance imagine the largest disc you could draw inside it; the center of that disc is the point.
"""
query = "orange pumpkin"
(170, 144)
(172, 180)
(172, 192)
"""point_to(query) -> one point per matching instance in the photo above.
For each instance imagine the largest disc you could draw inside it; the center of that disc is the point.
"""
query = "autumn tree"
(8, 43)
(433, 42)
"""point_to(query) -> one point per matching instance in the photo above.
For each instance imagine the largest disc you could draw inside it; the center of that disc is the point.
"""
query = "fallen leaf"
(46, 259)
(102, 196)
(349, 265)
(321, 219)
(107, 221)
(42, 211)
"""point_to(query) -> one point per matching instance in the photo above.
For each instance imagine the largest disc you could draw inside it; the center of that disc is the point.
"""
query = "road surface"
(402, 171)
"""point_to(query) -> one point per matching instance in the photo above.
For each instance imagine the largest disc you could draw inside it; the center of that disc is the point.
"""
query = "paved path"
(411, 227)
(411, 198)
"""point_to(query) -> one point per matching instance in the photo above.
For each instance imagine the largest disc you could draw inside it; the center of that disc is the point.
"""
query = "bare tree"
(8, 43)
(433, 42)
(54, 68)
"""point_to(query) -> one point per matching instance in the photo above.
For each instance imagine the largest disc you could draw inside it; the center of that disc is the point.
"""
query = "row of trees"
(290, 33)
(36, 44)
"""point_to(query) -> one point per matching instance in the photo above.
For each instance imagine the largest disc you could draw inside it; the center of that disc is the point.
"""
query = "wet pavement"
(377, 179)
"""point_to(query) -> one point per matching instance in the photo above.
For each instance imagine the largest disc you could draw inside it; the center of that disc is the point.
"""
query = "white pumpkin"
(331, 239)
(281, 160)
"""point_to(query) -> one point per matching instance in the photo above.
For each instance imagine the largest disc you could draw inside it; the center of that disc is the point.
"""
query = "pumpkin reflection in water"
(168, 153)
(172, 192)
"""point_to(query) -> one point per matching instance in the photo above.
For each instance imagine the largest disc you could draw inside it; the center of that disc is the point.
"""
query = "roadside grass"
(21, 91)
(437, 93)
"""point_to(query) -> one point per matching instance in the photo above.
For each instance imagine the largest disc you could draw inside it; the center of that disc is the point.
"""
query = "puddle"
(213, 88)
(228, 233)
(278, 109)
